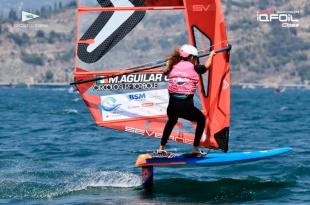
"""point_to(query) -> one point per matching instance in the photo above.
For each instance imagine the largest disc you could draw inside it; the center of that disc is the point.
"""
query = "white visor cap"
(187, 50)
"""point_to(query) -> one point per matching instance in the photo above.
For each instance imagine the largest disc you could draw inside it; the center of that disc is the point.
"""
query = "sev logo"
(202, 8)
(225, 85)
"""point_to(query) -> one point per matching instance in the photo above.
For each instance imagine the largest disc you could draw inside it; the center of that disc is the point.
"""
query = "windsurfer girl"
(183, 71)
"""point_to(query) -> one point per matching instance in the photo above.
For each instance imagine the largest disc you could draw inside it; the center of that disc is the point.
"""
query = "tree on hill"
(12, 15)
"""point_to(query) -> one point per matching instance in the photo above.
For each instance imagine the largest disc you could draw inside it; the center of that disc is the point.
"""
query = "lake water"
(51, 152)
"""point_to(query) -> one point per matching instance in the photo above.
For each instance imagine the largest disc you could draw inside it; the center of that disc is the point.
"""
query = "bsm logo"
(138, 96)
(201, 7)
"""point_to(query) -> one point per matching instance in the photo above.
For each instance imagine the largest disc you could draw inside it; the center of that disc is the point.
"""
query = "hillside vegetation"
(262, 52)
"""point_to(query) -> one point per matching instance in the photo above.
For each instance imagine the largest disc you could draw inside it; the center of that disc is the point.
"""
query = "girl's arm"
(209, 61)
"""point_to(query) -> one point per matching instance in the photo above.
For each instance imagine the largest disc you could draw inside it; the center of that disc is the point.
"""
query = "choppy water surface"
(51, 152)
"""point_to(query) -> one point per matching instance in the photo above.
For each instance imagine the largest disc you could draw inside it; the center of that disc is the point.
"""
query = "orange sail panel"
(113, 36)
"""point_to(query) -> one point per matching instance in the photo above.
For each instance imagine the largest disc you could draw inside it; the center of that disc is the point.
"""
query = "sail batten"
(96, 9)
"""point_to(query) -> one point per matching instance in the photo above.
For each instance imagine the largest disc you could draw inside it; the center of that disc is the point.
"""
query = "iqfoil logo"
(286, 18)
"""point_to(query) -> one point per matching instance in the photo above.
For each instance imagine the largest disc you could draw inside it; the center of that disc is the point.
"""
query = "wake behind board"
(210, 159)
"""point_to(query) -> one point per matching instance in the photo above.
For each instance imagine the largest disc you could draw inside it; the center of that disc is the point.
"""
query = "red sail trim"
(106, 122)
(163, 3)
(88, 41)
(86, 9)
(77, 39)
(91, 101)
(155, 3)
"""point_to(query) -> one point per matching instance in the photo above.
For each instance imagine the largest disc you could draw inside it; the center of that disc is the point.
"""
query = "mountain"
(43, 49)
(266, 52)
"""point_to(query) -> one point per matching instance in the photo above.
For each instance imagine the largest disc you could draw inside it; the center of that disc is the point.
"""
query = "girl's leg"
(168, 129)
(201, 123)
(172, 120)
(195, 115)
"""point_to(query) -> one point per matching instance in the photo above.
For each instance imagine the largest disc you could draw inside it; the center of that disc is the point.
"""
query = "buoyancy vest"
(183, 78)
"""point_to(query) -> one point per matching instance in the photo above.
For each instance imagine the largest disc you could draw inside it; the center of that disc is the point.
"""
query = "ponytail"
(173, 59)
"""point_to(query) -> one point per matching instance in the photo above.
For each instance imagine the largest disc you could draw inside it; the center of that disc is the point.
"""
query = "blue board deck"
(210, 159)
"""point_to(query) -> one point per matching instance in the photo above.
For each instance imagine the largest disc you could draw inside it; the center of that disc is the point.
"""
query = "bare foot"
(196, 150)
(161, 150)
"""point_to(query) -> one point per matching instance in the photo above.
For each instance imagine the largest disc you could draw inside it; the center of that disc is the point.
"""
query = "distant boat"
(280, 90)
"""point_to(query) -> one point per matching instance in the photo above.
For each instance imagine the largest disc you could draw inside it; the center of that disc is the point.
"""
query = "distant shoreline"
(39, 85)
